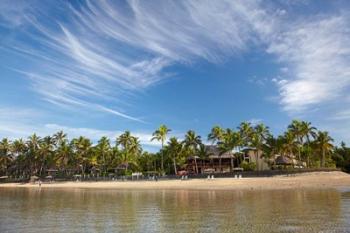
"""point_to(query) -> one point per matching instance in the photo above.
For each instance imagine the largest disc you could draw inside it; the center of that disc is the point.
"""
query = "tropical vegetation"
(39, 155)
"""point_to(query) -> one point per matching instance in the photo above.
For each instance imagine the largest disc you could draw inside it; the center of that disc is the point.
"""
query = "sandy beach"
(317, 180)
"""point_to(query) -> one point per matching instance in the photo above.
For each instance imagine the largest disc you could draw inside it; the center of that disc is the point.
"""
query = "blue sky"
(98, 68)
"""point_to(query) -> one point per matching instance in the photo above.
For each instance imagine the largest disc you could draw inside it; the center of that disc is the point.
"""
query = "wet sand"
(317, 180)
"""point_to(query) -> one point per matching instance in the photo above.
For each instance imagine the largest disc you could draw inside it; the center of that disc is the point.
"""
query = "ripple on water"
(64, 210)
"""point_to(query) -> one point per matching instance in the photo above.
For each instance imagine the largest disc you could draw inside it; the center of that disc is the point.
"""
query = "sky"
(98, 68)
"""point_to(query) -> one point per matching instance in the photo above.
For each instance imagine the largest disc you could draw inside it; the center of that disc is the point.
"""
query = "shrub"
(248, 166)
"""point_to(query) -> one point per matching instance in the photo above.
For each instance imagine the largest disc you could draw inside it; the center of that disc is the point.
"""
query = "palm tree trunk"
(175, 166)
(257, 160)
(220, 164)
(104, 164)
(323, 158)
(195, 163)
(162, 161)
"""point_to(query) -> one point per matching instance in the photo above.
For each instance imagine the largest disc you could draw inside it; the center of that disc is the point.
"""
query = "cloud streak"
(318, 53)
(103, 52)
(18, 123)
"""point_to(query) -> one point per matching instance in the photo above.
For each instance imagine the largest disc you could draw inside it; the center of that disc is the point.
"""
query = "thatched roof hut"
(283, 160)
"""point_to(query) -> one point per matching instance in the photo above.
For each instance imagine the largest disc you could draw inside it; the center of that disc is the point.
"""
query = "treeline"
(36, 155)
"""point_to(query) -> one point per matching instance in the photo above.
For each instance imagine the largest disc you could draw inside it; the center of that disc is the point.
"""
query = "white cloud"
(15, 130)
(21, 122)
(105, 51)
(12, 15)
(255, 121)
(317, 53)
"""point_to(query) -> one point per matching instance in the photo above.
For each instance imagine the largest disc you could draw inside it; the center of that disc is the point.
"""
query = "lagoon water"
(87, 210)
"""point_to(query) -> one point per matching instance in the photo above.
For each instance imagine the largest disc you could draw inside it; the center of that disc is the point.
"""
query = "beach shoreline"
(312, 180)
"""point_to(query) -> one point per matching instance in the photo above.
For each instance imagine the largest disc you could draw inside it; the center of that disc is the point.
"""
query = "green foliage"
(35, 155)
(341, 157)
(248, 166)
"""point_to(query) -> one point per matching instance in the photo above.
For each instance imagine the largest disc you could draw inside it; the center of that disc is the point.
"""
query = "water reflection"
(84, 210)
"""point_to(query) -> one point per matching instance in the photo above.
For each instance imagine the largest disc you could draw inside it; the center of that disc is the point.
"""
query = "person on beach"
(39, 183)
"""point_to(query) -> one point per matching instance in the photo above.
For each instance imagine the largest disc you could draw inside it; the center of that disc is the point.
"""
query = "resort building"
(250, 156)
(211, 164)
(229, 161)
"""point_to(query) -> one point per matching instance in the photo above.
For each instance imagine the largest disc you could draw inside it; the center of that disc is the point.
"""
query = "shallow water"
(87, 210)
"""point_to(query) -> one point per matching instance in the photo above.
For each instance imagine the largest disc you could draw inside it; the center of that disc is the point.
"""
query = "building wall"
(261, 164)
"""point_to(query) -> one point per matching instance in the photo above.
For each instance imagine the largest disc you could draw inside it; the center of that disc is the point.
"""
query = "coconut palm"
(103, 149)
(125, 141)
(131, 147)
(46, 151)
(258, 139)
(160, 135)
(296, 128)
(33, 144)
(174, 148)
(191, 142)
(82, 150)
(246, 131)
(64, 155)
(5, 154)
(215, 134)
(135, 149)
(18, 149)
(59, 138)
(289, 143)
(230, 140)
(308, 131)
(324, 144)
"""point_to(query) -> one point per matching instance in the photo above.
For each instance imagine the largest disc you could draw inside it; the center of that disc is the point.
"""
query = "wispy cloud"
(103, 50)
(317, 53)
(19, 122)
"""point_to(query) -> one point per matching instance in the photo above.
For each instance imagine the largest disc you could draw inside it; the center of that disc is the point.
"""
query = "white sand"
(306, 180)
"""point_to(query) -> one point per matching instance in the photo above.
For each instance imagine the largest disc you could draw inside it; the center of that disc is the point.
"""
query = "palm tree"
(160, 135)
(135, 150)
(258, 139)
(5, 154)
(324, 144)
(191, 142)
(64, 154)
(45, 155)
(296, 128)
(33, 145)
(174, 148)
(103, 149)
(131, 147)
(82, 149)
(18, 148)
(215, 134)
(289, 143)
(308, 131)
(59, 138)
(230, 140)
(272, 146)
(125, 141)
(246, 131)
